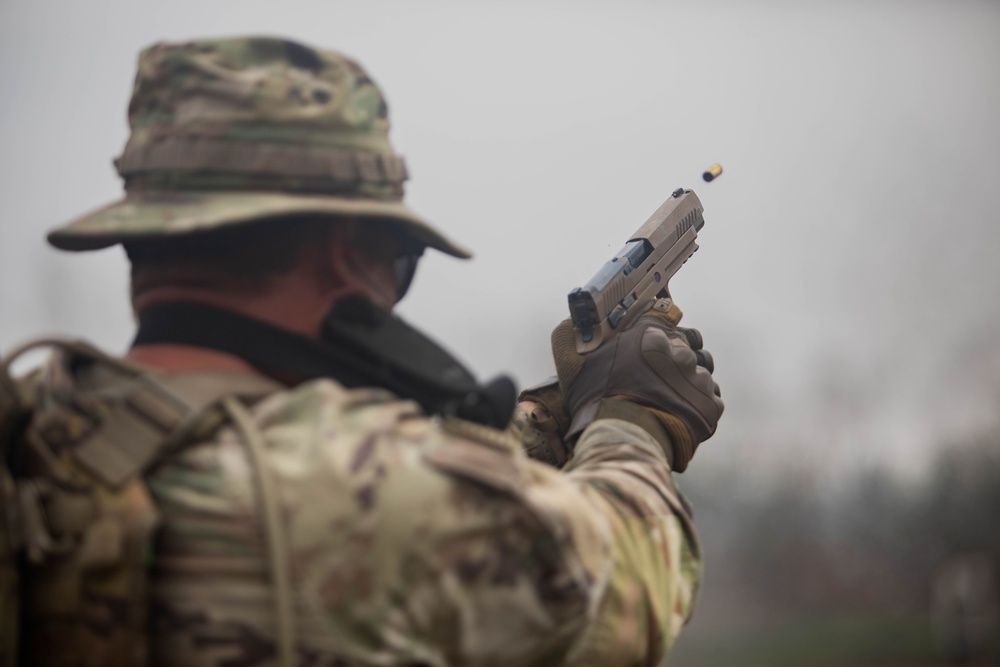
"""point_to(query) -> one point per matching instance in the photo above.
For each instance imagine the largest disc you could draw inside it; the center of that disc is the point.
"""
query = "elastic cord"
(274, 530)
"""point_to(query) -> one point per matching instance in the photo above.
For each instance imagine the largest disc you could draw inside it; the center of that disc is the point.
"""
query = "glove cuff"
(669, 431)
(620, 408)
(680, 438)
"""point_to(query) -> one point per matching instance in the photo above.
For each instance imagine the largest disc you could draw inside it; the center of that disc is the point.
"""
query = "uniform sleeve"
(655, 560)
(596, 564)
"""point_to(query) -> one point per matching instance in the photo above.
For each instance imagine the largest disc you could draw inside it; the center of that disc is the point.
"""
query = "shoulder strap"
(143, 413)
(151, 414)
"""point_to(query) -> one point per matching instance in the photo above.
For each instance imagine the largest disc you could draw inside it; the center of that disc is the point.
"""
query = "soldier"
(278, 471)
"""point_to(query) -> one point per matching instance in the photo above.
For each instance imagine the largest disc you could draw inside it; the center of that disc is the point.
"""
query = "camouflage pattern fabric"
(229, 131)
(417, 542)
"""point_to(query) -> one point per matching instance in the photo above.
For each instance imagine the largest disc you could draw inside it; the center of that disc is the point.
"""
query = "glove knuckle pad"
(671, 344)
(651, 363)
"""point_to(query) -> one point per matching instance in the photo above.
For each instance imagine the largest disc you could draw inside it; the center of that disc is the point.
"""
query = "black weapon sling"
(361, 346)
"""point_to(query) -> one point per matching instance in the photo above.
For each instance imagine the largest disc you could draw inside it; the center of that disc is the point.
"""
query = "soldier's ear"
(352, 271)
(340, 255)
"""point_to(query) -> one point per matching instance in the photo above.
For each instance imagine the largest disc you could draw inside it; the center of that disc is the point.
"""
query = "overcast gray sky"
(848, 281)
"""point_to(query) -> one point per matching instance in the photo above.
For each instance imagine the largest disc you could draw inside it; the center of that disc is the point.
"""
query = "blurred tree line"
(797, 575)
(873, 548)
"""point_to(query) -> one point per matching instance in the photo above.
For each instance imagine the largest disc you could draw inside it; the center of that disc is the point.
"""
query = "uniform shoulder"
(372, 420)
(325, 401)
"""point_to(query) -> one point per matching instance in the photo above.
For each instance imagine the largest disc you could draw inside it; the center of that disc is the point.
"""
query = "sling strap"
(362, 346)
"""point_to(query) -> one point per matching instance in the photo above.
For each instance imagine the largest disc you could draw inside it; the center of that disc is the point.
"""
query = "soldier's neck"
(298, 308)
(297, 301)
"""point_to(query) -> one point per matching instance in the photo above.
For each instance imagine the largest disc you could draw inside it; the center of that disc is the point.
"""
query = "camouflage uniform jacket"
(411, 540)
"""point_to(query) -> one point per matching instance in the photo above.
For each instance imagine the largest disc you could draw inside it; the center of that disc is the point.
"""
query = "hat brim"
(149, 215)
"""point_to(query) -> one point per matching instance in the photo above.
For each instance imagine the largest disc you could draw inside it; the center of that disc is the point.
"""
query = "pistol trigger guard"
(637, 310)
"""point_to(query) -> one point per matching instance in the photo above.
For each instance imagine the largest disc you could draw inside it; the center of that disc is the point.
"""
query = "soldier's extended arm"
(639, 405)
(635, 397)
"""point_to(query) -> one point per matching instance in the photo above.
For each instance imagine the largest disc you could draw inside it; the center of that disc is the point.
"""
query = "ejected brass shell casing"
(712, 173)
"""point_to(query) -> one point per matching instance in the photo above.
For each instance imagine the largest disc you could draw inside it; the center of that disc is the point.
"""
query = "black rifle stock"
(639, 272)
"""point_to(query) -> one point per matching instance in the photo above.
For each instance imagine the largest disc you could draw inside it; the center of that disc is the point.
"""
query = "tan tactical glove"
(653, 374)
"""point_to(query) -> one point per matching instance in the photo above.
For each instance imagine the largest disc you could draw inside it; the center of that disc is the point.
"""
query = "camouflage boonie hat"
(231, 131)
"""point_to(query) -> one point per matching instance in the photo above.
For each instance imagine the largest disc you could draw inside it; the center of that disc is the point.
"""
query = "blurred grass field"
(891, 641)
